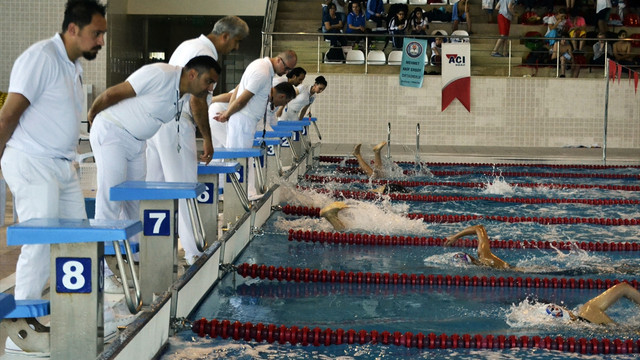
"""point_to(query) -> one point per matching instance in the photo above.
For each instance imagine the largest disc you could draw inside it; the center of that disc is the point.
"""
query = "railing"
(267, 26)
(481, 46)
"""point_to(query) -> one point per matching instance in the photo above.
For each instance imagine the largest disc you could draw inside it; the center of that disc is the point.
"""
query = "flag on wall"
(456, 74)
(413, 56)
(615, 70)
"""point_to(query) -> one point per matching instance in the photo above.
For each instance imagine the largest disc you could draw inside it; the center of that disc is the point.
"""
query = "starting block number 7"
(157, 223)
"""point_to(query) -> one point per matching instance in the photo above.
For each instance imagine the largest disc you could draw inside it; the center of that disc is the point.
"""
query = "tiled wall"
(529, 112)
(26, 22)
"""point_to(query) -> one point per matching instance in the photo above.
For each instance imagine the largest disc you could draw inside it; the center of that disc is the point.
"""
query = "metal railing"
(480, 47)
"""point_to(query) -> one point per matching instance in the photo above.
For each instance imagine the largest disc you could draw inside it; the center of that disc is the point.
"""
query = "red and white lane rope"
(305, 336)
(325, 179)
(369, 195)
(440, 218)
(350, 160)
(394, 240)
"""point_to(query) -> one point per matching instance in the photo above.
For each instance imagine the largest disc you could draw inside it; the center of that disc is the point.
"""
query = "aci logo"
(414, 49)
(457, 60)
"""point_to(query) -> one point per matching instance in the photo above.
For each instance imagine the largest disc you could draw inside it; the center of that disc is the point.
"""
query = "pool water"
(429, 308)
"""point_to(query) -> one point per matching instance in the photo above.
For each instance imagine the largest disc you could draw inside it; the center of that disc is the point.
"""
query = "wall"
(528, 112)
(198, 7)
(26, 22)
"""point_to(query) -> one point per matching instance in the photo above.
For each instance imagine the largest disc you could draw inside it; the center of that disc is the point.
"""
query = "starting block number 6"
(73, 275)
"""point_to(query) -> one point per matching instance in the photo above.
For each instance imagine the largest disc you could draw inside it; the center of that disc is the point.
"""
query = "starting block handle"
(133, 303)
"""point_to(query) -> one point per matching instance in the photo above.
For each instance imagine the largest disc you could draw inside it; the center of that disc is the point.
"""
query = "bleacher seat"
(355, 57)
(395, 58)
(417, 2)
(397, 1)
(463, 36)
(336, 57)
(376, 57)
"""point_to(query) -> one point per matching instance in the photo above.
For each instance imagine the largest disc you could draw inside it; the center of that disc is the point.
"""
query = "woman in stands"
(397, 26)
(356, 23)
(297, 108)
(418, 23)
(333, 24)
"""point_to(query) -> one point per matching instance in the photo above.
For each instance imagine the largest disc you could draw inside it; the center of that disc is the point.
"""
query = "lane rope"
(394, 240)
(445, 218)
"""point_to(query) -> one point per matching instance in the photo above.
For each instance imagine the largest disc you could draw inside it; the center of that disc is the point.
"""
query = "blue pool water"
(426, 309)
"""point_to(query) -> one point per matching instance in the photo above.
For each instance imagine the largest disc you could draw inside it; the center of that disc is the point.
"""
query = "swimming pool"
(454, 304)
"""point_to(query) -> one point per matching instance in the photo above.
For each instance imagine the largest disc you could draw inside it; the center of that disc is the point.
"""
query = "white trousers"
(218, 133)
(42, 188)
(240, 134)
(166, 163)
(119, 158)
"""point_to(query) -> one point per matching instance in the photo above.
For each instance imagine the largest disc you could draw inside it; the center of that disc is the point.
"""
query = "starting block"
(297, 143)
(159, 242)
(76, 297)
(208, 174)
(7, 305)
(272, 156)
(236, 203)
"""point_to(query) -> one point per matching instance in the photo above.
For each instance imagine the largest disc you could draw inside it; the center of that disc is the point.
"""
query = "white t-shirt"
(44, 75)
(156, 102)
(257, 79)
(304, 98)
(189, 49)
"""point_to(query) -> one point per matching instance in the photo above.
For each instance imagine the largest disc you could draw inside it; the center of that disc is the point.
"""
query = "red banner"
(459, 89)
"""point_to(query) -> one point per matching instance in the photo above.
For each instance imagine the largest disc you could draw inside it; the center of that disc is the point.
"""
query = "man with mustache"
(128, 114)
(39, 131)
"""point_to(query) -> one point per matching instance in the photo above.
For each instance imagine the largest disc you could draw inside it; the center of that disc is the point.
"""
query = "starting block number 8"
(73, 275)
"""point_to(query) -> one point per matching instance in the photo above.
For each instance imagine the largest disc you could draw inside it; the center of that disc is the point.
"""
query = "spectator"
(397, 26)
(603, 10)
(562, 49)
(297, 108)
(505, 15)
(460, 11)
(599, 50)
(436, 50)
(333, 25)
(555, 25)
(356, 23)
(622, 50)
(375, 12)
(418, 23)
(577, 29)
(340, 10)
(487, 6)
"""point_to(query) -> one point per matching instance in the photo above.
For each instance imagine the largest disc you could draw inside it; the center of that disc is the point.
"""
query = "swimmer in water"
(378, 169)
(593, 311)
(485, 256)
(330, 212)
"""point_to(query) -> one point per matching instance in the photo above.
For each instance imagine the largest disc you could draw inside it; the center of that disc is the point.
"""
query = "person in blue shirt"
(375, 11)
(356, 23)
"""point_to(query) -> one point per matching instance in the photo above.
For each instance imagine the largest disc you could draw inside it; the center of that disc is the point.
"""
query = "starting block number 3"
(73, 275)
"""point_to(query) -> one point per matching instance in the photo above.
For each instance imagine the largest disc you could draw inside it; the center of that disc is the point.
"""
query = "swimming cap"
(462, 257)
(555, 311)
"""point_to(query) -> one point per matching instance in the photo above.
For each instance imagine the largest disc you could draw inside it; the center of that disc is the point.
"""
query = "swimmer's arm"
(109, 97)
(468, 231)
(222, 98)
(15, 105)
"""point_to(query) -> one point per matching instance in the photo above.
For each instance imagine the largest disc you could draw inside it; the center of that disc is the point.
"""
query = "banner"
(413, 56)
(456, 74)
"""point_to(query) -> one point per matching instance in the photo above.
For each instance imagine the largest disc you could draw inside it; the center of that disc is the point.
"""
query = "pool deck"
(478, 154)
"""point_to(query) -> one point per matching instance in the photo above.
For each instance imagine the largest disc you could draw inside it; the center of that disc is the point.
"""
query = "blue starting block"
(77, 275)
(33, 308)
(208, 200)
(273, 155)
(298, 143)
(237, 203)
(159, 243)
(7, 305)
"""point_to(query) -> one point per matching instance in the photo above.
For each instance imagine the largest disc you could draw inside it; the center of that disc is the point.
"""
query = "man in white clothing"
(128, 114)
(249, 104)
(171, 153)
(39, 132)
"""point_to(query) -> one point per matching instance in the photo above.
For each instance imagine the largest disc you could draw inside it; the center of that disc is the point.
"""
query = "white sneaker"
(12, 348)
(112, 285)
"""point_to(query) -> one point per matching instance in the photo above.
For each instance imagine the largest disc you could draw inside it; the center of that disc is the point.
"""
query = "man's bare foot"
(333, 209)
(356, 150)
(379, 147)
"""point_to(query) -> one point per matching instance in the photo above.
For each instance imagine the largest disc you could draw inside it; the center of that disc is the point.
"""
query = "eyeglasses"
(286, 68)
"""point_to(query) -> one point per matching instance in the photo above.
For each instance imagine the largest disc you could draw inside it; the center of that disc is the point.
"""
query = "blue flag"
(413, 56)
